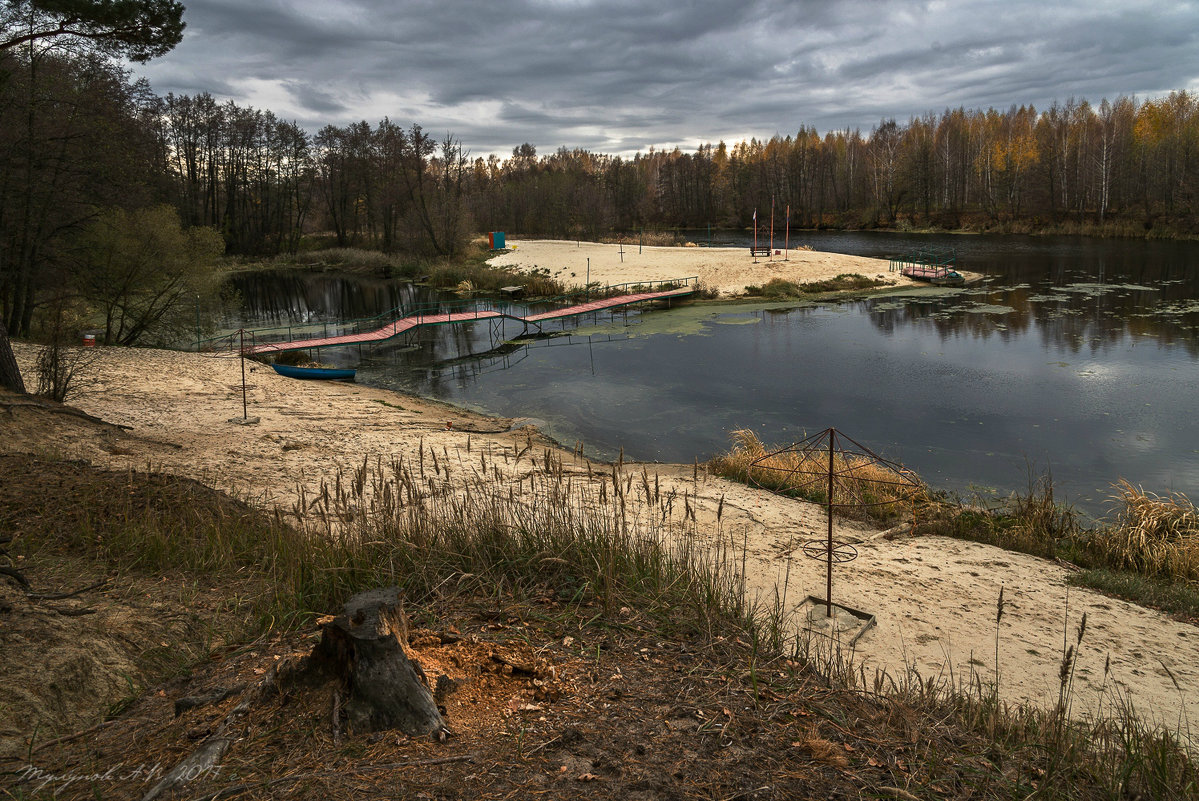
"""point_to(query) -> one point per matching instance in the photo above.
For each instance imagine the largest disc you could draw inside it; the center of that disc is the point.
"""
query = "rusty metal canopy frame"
(810, 467)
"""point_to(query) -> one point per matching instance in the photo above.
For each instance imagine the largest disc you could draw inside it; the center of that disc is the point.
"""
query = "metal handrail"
(434, 309)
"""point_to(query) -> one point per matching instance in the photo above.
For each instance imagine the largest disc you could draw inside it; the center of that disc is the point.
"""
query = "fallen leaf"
(586, 777)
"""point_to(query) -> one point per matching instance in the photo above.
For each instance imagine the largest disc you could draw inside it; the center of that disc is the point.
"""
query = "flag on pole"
(755, 215)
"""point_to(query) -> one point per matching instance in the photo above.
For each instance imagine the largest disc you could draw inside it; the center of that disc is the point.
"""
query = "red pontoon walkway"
(405, 324)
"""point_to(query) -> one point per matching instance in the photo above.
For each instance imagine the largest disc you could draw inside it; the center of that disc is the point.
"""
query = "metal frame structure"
(811, 474)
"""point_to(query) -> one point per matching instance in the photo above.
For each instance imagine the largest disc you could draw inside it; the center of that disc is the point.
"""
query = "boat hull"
(315, 373)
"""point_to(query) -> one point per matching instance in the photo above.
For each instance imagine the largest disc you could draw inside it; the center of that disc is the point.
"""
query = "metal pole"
(828, 590)
(589, 278)
(244, 412)
(787, 241)
(772, 227)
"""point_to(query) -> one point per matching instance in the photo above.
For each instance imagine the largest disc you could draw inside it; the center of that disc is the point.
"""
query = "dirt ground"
(933, 599)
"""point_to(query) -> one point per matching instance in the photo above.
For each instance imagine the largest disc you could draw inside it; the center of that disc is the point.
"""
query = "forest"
(117, 198)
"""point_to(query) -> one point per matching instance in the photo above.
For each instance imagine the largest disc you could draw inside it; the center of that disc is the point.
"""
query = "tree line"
(87, 155)
(1129, 166)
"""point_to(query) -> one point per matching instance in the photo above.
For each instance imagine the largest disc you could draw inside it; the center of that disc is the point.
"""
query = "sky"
(620, 76)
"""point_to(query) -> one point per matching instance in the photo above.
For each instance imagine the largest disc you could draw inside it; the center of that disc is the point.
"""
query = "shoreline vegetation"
(1147, 553)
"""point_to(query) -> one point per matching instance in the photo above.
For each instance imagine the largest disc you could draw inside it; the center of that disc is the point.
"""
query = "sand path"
(934, 599)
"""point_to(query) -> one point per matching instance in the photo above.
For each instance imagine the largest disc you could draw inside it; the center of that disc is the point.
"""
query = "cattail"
(720, 513)
(1082, 627)
(999, 607)
(1067, 663)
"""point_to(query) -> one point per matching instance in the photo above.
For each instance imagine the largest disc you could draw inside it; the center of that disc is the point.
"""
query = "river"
(1076, 356)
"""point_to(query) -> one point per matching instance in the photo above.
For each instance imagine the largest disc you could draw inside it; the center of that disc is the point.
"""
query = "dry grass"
(865, 489)
(572, 544)
(1155, 535)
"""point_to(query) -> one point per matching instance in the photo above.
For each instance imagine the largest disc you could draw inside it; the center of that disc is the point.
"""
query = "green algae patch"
(1102, 289)
(921, 292)
(988, 308)
(690, 320)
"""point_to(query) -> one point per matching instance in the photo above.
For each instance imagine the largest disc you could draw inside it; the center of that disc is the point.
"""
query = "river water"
(1076, 356)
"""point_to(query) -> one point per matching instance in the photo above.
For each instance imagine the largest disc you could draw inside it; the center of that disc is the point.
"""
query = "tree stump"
(364, 646)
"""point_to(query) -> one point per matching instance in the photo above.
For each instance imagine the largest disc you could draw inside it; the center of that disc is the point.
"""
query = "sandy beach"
(726, 270)
(934, 599)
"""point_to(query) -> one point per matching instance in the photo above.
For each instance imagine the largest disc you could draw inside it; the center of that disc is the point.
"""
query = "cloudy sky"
(618, 76)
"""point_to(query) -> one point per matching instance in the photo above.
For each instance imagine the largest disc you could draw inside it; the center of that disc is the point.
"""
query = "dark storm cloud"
(621, 75)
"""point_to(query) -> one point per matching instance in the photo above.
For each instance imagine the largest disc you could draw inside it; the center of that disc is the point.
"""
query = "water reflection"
(299, 297)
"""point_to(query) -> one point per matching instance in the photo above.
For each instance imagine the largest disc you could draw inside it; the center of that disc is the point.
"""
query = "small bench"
(755, 252)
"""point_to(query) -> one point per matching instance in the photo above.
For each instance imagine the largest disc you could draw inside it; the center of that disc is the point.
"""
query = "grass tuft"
(1153, 535)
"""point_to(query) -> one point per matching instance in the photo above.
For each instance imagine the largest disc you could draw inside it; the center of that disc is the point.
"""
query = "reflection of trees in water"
(438, 357)
(1099, 319)
(298, 296)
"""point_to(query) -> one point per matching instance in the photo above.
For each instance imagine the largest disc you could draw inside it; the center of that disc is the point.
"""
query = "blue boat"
(316, 373)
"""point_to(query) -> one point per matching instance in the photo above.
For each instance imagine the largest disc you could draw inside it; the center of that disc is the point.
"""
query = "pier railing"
(924, 258)
(421, 313)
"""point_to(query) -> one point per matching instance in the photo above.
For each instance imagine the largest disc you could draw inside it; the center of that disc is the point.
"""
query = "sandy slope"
(934, 599)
